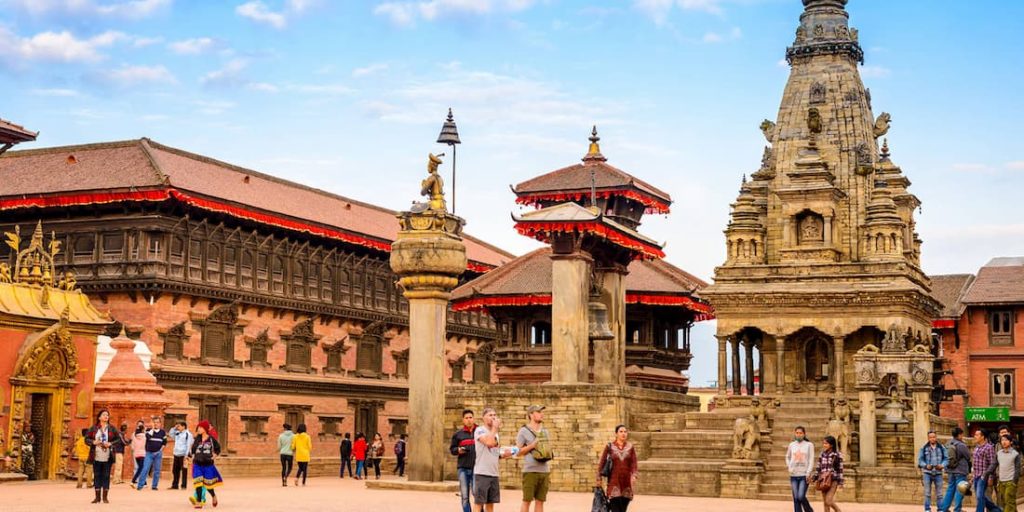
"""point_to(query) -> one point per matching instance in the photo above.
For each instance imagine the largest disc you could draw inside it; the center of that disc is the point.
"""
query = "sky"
(349, 96)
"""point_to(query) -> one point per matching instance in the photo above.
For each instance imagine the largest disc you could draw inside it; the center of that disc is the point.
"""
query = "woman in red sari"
(624, 470)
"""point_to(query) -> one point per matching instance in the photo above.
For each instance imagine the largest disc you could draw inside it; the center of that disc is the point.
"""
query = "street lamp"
(450, 136)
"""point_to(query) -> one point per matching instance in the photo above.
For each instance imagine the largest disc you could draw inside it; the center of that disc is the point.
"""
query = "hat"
(532, 409)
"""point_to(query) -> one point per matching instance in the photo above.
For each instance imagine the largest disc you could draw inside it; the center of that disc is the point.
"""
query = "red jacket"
(359, 449)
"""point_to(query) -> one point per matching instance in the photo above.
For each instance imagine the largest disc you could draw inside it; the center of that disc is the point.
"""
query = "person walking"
(1008, 473)
(156, 439)
(400, 456)
(182, 451)
(82, 450)
(359, 452)
(205, 477)
(623, 475)
(800, 462)
(138, 450)
(462, 446)
(486, 485)
(119, 447)
(533, 441)
(958, 466)
(376, 454)
(302, 445)
(345, 450)
(932, 459)
(100, 439)
(985, 465)
(284, 450)
(828, 476)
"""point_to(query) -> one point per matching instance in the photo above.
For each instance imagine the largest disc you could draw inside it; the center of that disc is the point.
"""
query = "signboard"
(987, 414)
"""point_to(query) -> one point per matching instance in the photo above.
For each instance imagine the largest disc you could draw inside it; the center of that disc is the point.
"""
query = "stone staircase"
(813, 414)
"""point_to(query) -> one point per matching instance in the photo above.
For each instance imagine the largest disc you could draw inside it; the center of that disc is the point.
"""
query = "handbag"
(824, 482)
(606, 470)
(600, 501)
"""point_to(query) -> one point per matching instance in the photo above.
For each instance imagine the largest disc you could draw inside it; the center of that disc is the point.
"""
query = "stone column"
(610, 355)
(723, 365)
(748, 344)
(780, 363)
(868, 446)
(840, 364)
(922, 416)
(735, 365)
(570, 343)
(428, 257)
(760, 367)
(828, 231)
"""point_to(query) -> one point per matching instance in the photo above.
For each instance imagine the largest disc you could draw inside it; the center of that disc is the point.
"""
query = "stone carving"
(811, 229)
(768, 129)
(866, 375)
(818, 93)
(882, 124)
(894, 410)
(814, 121)
(870, 348)
(759, 414)
(854, 34)
(226, 313)
(839, 425)
(920, 348)
(863, 157)
(746, 439)
(68, 282)
(819, 31)
(842, 32)
(304, 330)
(894, 342)
(867, 96)
(852, 96)
(919, 375)
(801, 34)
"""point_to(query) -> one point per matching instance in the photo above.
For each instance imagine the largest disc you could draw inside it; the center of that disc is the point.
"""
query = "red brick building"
(263, 301)
(982, 339)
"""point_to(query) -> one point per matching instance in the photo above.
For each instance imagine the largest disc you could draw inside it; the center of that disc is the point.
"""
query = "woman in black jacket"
(101, 438)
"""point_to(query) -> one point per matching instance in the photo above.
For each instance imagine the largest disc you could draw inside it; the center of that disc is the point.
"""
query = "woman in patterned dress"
(205, 477)
(624, 470)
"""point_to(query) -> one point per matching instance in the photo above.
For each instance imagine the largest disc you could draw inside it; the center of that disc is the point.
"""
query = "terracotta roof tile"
(577, 177)
(14, 133)
(1000, 281)
(144, 163)
(949, 290)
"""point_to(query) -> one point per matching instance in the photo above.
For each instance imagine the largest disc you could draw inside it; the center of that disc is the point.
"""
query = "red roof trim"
(703, 311)
(481, 303)
(670, 300)
(943, 324)
(653, 204)
(163, 194)
(542, 230)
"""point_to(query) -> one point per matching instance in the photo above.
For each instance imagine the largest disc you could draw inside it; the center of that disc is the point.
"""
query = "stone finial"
(885, 149)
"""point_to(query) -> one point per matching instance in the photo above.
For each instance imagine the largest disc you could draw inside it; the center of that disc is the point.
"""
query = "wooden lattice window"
(330, 427)
(174, 340)
(327, 285)
(401, 358)
(259, 349)
(213, 262)
(246, 269)
(1001, 388)
(482, 364)
(177, 249)
(399, 427)
(276, 274)
(255, 428)
(294, 415)
(344, 287)
(335, 353)
(113, 246)
(370, 351)
(458, 369)
(85, 247)
(262, 272)
(299, 345)
(1000, 327)
(298, 278)
(219, 329)
(215, 409)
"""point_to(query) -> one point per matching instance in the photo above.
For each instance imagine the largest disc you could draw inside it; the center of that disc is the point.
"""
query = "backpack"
(542, 452)
(952, 455)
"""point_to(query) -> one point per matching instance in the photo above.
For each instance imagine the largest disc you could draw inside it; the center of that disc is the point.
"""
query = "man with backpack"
(957, 467)
(535, 447)
(400, 455)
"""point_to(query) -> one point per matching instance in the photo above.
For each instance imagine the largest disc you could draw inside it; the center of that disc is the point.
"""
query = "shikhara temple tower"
(823, 257)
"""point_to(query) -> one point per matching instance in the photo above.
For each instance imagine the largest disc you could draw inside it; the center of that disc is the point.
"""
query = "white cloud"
(230, 75)
(62, 93)
(405, 14)
(715, 37)
(133, 9)
(369, 70)
(970, 167)
(709, 6)
(315, 89)
(874, 71)
(658, 10)
(56, 46)
(1017, 165)
(260, 12)
(142, 42)
(193, 46)
(131, 76)
(262, 87)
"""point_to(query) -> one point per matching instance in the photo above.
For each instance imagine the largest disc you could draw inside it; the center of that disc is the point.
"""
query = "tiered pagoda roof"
(11, 134)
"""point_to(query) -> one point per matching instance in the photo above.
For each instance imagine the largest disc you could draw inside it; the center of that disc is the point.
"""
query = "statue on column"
(839, 426)
(433, 187)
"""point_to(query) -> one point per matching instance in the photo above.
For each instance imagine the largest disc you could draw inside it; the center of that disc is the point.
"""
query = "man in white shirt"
(486, 487)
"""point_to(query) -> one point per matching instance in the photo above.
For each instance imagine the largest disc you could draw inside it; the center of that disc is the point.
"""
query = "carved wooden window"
(313, 281)
(459, 369)
(540, 334)
(369, 355)
(381, 293)
(344, 287)
(298, 356)
(230, 265)
(174, 342)
(213, 262)
(298, 279)
(262, 272)
(276, 274)
(219, 328)
(1001, 388)
(113, 246)
(366, 417)
(85, 248)
(482, 364)
(195, 259)
(335, 353)
(133, 239)
(399, 427)
(246, 270)
(298, 346)
(327, 285)
(177, 249)
(255, 428)
(401, 363)
(1000, 327)
(634, 333)
(259, 349)
(330, 427)
(294, 415)
(155, 246)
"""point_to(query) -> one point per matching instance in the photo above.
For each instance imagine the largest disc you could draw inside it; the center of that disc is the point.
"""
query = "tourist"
(119, 446)
(84, 468)
(376, 454)
(182, 450)
(958, 465)
(623, 474)
(205, 477)
(138, 449)
(359, 452)
(400, 456)
(462, 446)
(156, 439)
(533, 441)
(100, 439)
(346, 455)
(932, 459)
(828, 476)
(302, 445)
(284, 450)
(800, 462)
(985, 464)
(486, 487)
(1008, 473)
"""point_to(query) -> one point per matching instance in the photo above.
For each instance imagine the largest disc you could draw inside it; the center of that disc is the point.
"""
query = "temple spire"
(594, 151)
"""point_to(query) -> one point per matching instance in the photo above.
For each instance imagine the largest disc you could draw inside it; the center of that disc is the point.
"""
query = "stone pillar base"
(741, 478)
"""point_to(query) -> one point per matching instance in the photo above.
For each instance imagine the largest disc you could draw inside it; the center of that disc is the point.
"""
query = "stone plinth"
(741, 478)
(128, 391)
(428, 256)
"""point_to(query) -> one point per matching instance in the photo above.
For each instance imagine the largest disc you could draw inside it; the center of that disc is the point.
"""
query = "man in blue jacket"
(932, 460)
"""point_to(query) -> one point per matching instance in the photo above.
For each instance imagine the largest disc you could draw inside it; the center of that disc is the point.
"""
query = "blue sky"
(349, 96)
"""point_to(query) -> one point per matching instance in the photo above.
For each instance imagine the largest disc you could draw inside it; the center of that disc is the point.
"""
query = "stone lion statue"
(882, 124)
(839, 426)
(746, 439)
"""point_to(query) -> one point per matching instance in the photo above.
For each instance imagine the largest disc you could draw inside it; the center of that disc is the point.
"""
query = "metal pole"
(453, 178)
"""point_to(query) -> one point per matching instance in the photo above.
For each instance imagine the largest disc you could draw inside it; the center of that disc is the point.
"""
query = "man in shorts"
(486, 487)
(536, 473)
